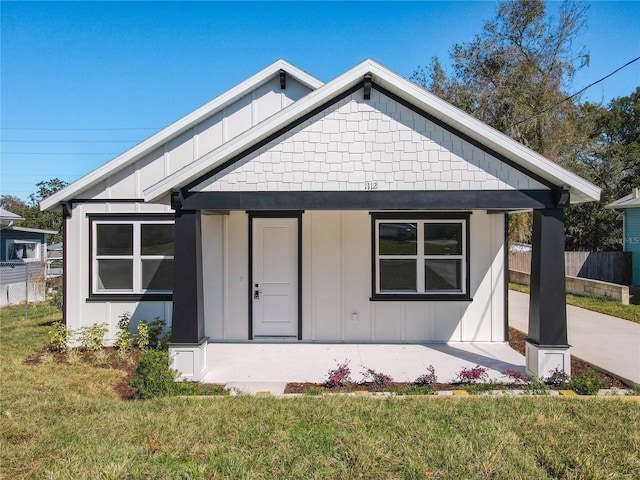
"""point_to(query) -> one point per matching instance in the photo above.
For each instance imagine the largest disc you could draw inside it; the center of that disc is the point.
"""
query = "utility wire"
(77, 129)
(575, 94)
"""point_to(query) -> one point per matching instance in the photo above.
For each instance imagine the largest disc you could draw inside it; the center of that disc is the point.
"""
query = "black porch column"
(547, 302)
(188, 318)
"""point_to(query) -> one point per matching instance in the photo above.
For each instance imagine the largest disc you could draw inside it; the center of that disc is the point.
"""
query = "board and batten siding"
(336, 284)
(632, 241)
(222, 126)
(83, 313)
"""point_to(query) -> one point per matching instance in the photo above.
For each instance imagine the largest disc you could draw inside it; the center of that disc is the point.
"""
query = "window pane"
(115, 274)
(156, 239)
(22, 250)
(443, 239)
(398, 239)
(398, 275)
(157, 274)
(443, 275)
(114, 239)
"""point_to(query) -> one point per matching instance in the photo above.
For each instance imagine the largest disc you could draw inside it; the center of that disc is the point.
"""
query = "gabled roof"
(175, 129)
(581, 189)
(7, 216)
(630, 201)
(11, 228)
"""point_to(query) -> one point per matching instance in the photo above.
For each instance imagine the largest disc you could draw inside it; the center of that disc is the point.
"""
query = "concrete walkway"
(610, 343)
(260, 367)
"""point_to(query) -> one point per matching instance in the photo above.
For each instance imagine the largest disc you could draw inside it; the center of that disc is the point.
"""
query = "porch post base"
(542, 360)
(189, 359)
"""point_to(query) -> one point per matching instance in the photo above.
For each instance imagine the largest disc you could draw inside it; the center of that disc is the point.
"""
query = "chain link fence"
(23, 284)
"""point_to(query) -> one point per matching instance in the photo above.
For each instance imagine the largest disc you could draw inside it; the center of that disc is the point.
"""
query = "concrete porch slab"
(272, 363)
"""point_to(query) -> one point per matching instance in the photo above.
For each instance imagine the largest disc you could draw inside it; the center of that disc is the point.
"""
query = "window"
(420, 256)
(23, 250)
(132, 257)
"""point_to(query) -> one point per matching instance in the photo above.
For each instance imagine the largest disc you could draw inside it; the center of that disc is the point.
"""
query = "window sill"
(434, 297)
(130, 297)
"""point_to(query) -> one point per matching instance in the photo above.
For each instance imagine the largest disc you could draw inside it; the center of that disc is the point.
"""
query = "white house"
(361, 210)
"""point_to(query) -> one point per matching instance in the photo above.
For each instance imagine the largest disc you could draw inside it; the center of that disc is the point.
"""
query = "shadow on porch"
(246, 363)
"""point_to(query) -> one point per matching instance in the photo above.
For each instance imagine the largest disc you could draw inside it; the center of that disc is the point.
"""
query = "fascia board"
(296, 110)
(28, 230)
(177, 128)
(474, 128)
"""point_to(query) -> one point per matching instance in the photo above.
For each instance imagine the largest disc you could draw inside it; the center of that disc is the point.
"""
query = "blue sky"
(84, 81)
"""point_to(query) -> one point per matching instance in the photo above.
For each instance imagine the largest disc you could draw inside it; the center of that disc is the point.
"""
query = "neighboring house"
(54, 260)
(22, 262)
(630, 206)
(362, 210)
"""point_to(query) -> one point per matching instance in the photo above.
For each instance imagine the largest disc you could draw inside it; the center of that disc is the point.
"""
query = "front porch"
(269, 366)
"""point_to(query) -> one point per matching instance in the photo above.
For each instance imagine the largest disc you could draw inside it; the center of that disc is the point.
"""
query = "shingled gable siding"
(369, 145)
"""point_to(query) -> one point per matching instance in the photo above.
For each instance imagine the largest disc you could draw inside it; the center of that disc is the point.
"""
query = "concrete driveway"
(611, 343)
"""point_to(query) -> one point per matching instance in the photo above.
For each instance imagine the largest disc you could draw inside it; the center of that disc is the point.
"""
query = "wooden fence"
(614, 267)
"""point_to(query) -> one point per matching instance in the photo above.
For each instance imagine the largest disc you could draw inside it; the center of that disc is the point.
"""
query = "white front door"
(275, 277)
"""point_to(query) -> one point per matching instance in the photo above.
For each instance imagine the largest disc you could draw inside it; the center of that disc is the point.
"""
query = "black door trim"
(275, 214)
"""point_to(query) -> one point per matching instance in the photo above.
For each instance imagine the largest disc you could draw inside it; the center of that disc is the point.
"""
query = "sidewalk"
(610, 343)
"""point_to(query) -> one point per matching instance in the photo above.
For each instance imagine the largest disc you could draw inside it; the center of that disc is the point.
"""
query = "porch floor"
(261, 366)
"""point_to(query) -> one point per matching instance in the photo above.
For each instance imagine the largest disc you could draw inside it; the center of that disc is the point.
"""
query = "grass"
(596, 304)
(65, 421)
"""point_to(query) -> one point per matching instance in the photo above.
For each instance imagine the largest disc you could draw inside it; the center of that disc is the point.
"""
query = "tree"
(13, 204)
(34, 218)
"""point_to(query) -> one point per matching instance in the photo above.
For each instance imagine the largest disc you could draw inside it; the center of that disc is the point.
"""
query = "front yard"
(68, 421)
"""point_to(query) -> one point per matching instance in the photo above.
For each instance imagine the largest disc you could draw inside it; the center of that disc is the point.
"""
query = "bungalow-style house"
(630, 206)
(361, 210)
(22, 261)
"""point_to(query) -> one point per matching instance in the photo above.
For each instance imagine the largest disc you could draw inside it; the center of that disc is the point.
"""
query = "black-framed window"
(131, 256)
(420, 256)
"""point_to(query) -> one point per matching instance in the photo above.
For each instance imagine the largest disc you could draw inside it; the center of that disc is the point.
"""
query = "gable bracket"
(562, 196)
(177, 200)
(368, 80)
(283, 79)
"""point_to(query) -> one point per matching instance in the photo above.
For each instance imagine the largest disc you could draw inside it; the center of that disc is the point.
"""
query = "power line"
(78, 129)
(68, 141)
(575, 94)
(59, 153)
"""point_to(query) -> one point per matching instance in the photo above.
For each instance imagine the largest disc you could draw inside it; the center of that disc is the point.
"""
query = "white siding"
(336, 285)
(377, 144)
(80, 312)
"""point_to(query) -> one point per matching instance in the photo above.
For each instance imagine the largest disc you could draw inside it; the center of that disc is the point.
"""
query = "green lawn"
(596, 304)
(62, 421)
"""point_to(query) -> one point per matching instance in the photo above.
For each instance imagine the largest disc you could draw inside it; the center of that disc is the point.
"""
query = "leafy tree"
(30, 211)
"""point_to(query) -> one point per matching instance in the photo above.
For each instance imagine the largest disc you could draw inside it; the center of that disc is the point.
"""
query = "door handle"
(256, 295)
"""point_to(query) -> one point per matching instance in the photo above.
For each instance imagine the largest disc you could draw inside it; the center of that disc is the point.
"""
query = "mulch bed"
(516, 341)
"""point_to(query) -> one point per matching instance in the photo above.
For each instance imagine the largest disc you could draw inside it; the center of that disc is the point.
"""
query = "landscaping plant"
(516, 378)
(59, 337)
(376, 378)
(427, 378)
(558, 378)
(588, 384)
(472, 375)
(91, 338)
(152, 376)
(123, 335)
(142, 339)
(339, 376)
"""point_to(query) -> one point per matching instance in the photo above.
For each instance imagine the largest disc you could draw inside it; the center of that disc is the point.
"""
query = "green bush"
(91, 338)
(143, 335)
(59, 337)
(123, 336)
(56, 299)
(587, 384)
(156, 327)
(153, 377)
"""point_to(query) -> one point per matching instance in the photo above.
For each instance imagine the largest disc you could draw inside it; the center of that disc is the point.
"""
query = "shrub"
(143, 335)
(427, 378)
(123, 336)
(515, 377)
(558, 378)
(156, 327)
(91, 338)
(536, 386)
(587, 384)
(164, 343)
(59, 337)
(377, 378)
(152, 376)
(472, 375)
(100, 357)
(340, 376)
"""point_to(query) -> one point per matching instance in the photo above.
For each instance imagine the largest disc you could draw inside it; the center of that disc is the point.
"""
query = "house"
(361, 210)
(22, 261)
(630, 206)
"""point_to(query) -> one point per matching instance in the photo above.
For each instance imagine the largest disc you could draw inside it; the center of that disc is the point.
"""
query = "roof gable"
(375, 144)
(178, 139)
(392, 84)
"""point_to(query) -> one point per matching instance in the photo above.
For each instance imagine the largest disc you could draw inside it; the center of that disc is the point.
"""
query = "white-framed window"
(132, 256)
(421, 256)
(23, 250)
